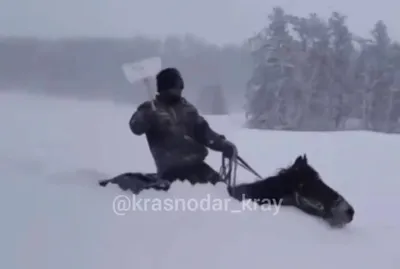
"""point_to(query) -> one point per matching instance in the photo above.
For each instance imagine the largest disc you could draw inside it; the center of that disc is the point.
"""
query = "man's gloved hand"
(228, 149)
(142, 119)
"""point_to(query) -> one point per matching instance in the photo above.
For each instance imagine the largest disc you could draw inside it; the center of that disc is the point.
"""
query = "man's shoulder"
(145, 105)
(188, 105)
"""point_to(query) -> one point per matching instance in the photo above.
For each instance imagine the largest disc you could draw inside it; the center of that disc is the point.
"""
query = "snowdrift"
(52, 152)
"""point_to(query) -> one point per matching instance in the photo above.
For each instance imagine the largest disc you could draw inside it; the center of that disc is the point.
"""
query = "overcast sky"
(219, 21)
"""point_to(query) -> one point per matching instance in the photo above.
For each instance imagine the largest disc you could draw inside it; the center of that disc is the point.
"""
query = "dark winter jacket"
(177, 135)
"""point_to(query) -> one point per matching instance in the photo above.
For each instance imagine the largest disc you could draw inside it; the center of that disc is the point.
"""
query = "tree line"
(313, 74)
(297, 73)
(91, 67)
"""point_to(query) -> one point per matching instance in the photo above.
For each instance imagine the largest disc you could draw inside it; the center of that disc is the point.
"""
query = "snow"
(56, 216)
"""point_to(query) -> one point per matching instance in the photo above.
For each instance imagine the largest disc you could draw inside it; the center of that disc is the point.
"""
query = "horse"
(299, 185)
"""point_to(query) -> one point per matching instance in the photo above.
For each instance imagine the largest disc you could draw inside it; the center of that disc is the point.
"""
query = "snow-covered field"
(55, 216)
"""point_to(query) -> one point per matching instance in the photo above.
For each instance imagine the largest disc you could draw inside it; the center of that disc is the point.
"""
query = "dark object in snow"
(298, 185)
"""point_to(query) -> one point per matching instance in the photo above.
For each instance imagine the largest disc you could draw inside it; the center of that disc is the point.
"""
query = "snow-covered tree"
(314, 74)
(270, 90)
(341, 71)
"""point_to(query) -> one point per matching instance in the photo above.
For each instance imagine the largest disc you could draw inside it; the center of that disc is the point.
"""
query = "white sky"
(219, 21)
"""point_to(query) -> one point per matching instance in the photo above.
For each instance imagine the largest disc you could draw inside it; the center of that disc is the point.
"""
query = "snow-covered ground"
(54, 215)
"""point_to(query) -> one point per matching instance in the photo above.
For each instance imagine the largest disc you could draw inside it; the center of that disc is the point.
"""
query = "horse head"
(311, 191)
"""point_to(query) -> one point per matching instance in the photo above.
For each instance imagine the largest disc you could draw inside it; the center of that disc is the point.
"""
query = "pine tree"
(266, 105)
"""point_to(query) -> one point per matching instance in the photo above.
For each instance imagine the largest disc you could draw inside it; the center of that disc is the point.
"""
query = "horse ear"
(305, 158)
(298, 160)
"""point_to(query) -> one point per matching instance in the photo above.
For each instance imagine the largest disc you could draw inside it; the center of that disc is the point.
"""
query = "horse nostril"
(350, 212)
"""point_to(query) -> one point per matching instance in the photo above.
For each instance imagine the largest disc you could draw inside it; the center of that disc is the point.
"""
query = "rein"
(228, 171)
(247, 167)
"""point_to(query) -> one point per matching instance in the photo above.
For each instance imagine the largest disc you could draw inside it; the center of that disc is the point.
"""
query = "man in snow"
(177, 135)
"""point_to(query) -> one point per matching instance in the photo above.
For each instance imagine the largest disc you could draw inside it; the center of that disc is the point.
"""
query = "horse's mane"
(285, 171)
(289, 170)
(281, 172)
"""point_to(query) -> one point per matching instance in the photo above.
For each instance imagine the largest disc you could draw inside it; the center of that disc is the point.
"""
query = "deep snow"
(55, 216)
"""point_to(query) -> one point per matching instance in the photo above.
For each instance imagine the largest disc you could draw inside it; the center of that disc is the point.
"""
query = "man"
(177, 135)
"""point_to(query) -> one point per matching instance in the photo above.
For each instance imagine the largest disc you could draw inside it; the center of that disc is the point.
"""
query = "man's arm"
(207, 136)
(140, 121)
